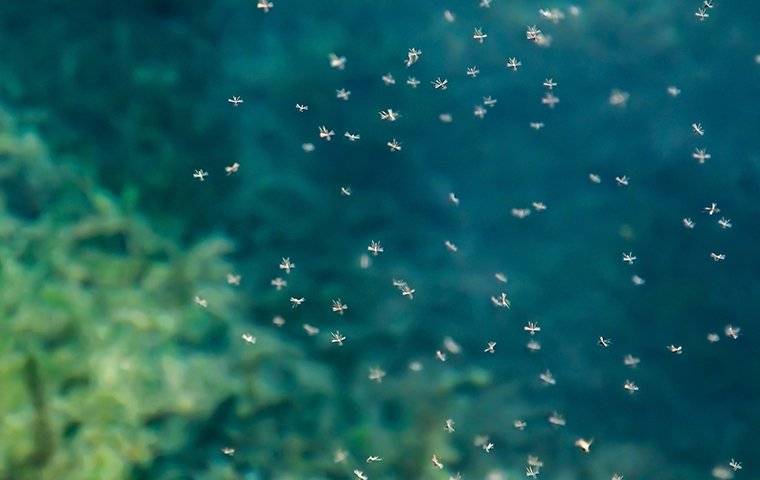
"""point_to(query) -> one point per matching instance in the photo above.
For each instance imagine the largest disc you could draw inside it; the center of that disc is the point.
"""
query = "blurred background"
(108, 370)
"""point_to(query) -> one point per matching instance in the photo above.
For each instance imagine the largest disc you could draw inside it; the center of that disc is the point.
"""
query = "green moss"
(110, 371)
(94, 306)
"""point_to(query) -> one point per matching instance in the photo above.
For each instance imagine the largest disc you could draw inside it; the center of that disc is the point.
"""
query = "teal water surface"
(122, 320)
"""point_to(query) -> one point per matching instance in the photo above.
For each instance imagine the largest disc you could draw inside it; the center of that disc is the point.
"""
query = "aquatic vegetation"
(109, 367)
(101, 349)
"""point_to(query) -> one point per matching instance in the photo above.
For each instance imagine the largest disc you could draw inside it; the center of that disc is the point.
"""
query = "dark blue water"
(111, 370)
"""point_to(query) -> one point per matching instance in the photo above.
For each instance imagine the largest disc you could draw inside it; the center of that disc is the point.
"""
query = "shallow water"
(113, 368)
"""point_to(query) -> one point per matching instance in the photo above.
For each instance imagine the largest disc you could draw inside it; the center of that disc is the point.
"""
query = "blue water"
(129, 99)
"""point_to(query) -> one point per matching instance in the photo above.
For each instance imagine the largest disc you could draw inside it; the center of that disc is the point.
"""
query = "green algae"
(100, 336)
(110, 371)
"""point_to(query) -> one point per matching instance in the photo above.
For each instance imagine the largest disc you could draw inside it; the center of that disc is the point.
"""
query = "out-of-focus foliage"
(109, 371)
(101, 351)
